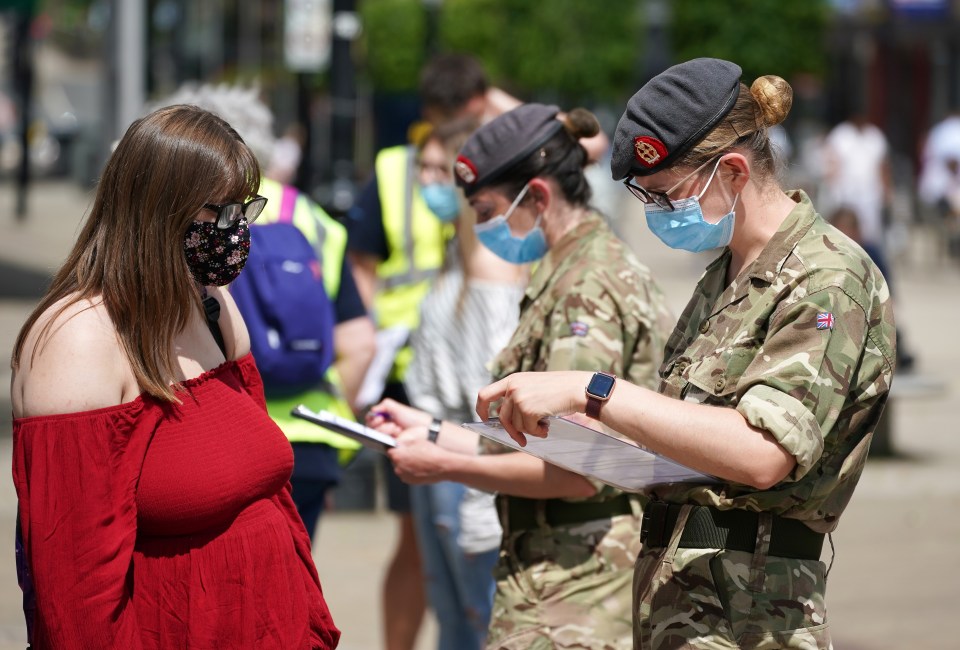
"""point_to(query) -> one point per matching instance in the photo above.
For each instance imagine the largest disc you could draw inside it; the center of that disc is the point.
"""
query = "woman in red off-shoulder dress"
(155, 509)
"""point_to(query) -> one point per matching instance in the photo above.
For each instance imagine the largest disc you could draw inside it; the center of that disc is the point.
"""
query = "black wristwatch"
(599, 391)
(434, 429)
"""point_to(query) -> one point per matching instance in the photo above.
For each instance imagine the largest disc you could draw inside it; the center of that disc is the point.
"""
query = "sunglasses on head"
(229, 213)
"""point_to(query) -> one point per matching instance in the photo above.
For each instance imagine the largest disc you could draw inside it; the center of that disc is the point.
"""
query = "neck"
(466, 240)
(759, 216)
(561, 221)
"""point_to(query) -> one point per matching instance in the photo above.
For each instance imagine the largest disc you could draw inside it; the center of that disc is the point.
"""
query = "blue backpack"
(281, 296)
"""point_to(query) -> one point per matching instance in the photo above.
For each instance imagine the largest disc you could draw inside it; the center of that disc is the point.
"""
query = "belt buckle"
(653, 523)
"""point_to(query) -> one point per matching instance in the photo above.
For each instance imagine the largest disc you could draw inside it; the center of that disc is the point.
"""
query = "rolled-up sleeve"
(800, 378)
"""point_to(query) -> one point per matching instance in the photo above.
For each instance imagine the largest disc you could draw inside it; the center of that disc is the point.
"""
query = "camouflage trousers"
(566, 587)
(720, 599)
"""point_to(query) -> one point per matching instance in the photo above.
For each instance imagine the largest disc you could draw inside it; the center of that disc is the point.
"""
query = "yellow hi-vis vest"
(329, 239)
(416, 239)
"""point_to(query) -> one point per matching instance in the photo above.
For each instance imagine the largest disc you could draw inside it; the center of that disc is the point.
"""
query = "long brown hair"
(130, 251)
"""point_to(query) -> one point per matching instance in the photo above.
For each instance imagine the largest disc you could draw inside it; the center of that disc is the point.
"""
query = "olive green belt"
(518, 514)
(735, 530)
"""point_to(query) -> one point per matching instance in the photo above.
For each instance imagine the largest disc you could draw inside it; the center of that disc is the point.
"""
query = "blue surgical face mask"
(442, 199)
(685, 227)
(496, 235)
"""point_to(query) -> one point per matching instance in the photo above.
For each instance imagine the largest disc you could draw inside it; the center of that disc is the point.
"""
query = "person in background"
(318, 454)
(939, 157)
(857, 175)
(569, 543)
(287, 154)
(396, 246)
(153, 488)
(466, 318)
(773, 379)
(938, 185)
(845, 220)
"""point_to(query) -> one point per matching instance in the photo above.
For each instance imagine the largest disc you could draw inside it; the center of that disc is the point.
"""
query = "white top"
(943, 144)
(856, 157)
(455, 341)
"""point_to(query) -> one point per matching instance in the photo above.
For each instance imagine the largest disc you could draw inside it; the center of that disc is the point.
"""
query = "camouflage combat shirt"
(801, 343)
(590, 305)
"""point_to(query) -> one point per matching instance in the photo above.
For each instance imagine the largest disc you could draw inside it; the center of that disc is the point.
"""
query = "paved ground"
(897, 571)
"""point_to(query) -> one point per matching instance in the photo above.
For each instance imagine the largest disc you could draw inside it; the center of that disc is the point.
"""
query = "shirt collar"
(770, 262)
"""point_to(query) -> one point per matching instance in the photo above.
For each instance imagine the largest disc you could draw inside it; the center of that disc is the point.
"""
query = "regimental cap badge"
(648, 150)
(466, 170)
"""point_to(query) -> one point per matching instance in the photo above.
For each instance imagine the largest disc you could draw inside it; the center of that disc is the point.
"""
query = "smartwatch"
(599, 391)
(434, 429)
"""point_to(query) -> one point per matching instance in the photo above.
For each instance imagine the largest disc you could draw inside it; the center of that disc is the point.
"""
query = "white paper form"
(598, 455)
(389, 343)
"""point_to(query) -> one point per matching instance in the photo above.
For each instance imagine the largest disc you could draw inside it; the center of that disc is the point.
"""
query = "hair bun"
(581, 123)
(774, 96)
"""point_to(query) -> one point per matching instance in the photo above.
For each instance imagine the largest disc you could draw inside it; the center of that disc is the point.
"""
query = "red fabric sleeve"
(250, 376)
(75, 477)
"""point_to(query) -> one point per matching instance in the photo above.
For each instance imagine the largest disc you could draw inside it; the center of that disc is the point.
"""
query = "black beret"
(671, 113)
(496, 147)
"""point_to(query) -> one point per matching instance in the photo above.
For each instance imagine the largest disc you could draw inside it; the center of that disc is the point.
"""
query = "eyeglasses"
(660, 199)
(229, 213)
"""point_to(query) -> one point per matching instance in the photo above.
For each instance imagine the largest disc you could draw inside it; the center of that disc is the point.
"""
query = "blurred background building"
(341, 75)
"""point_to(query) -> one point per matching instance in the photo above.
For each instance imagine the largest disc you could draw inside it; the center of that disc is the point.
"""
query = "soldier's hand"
(528, 398)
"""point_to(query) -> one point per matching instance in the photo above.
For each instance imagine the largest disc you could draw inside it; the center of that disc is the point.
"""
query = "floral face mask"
(216, 255)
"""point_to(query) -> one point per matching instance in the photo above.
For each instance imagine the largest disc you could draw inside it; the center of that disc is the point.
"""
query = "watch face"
(601, 385)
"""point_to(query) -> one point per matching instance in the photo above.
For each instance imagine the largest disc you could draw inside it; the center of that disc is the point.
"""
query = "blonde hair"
(765, 104)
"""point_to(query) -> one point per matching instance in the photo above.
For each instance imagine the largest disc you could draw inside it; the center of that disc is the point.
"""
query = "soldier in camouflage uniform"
(590, 305)
(773, 380)
(566, 564)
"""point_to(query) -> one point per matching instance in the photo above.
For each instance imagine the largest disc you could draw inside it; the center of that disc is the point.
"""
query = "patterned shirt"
(590, 305)
(801, 343)
(461, 330)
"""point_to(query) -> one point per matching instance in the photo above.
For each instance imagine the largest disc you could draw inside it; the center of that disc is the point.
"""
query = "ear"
(541, 193)
(735, 167)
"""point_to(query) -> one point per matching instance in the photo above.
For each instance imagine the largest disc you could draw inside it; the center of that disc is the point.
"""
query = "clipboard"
(369, 438)
(596, 454)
